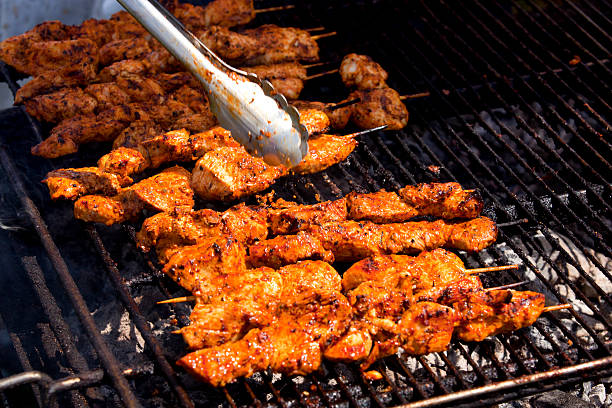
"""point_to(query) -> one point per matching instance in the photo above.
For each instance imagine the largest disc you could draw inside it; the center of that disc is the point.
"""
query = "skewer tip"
(415, 96)
(491, 269)
(556, 307)
(177, 300)
(363, 132)
(324, 35)
(269, 9)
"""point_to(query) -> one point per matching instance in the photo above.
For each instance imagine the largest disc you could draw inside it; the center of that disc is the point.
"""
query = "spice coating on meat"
(379, 207)
(60, 105)
(161, 192)
(325, 151)
(286, 250)
(447, 200)
(377, 107)
(276, 44)
(69, 184)
(361, 72)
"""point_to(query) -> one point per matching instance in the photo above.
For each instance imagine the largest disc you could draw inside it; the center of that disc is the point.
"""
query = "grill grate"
(518, 107)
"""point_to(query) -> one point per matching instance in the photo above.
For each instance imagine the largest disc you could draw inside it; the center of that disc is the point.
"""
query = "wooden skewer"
(316, 64)
(508, 286)
(176, 331)
(556, 307)
(468, 191)
(344, 104)
(177, 300)
(325, 35)
(490, 269)
(414, 96)
(363, 132)
(333, 71)
(310, 30)
(269, 9)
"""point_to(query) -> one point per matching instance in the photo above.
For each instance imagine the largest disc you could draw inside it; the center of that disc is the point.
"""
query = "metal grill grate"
(518, 108)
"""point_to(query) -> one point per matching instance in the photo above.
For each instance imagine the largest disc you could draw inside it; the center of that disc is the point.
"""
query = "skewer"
(269, 9)
(316, 64)
(414, 96)
(363, 132)
(325, 35)
(310, 30)
(344, 104)
(468, 191)
(556, 307)
(333, 71)
(176, 331)
(177, 300)
(508, 224)
(490, 269)
(508, 286)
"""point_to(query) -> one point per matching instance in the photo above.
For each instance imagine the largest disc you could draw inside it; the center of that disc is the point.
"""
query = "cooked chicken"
(107, 95)
(286, 250)
(281, 44)
(79, 74)
(127, 49)
(228, 173)
(361, 72)
(194, 98)
(136, 132)
(126, 66)
(325, 151)
(338, 118)
(60, 105)
(39, 57)
(485, 314)
(228, 304)
(141, 89)
(172, 82)
(69, 183)
(290, 88)
(289, 218)
(380, 207)
(234, 48)
(161, 192)
(287, 78)
(353, 240)
(227, 13)
(66, 137)
(196, 123)
(293, 344)
(378, 107)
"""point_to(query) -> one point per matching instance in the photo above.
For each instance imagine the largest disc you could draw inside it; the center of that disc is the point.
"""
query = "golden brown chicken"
(354, 240)
(136, 132)
(307, 320)
(287, 78)
(68, 183)
(230, 303)
(288, 218)
(161, 192)
(325, 151)
(60, 105)
(226, 13)
(338, 118)
(126, 49)
(126, 66)
(281, 44)
(234, 48)
(361, 72)
(107, 95)
(377, 107)
(287, 250)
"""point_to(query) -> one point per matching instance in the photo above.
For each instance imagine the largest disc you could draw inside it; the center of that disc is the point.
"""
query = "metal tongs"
(259, 119)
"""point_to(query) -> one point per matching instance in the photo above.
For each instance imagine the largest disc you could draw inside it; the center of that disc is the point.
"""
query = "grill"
(516, 104)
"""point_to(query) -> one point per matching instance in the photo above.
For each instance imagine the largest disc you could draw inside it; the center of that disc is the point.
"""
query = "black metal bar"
(107, 358)
(138, 318)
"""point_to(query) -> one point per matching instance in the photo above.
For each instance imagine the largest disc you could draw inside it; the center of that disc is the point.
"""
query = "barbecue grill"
(515, 102)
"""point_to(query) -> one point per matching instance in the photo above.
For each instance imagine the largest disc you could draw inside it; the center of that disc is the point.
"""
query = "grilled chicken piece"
(60, 105)
(449, 200)
(380, 207)
(204, 261)
(286, 250)
(39, 57)
(287, 78)
(123, 67)
(194, 98)
(161, 192)
(172, 82)
(137, 132)
(485, 314)
(353, 240)
(79, 74)
(307, 320)
(281, 44)
(127, 49)
(226, 13)
(361, 72)
(338, 118)
(141, 89)
(98, 31)
(197, 122)
(325, 151)
(234, 48)
(107, 95)
(379, 107)
(72, 183)
(231, 303)
(228, 173)
(289, 218)
(66, 137)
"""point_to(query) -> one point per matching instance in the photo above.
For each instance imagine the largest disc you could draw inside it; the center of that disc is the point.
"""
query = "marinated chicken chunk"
(126, 49)
(289, 218)
(276, 44)
(377, 107)
(226, 13)
(161, 192)
(232, 47)
(78, 74)
(446, 200)
(107, 95)
(286, 250)
(228, 173)
(70, 184)
(123, 67)
(60, 105)
(379, 207)
(338, 118)
(325, 151)
(361, 72)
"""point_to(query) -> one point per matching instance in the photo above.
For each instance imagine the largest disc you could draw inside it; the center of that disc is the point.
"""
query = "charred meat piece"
(361, 72)
(379, 207)
(60, 105)
(69, 184)
(78, 74)
(324, 151)
(107, 95)
(377, 107)
(161, 192)
(446, 200)
(232, 47)
(226, 13)
(281, 44)
(291, 218)
(286, 250)
(127, 49)
(123, 67)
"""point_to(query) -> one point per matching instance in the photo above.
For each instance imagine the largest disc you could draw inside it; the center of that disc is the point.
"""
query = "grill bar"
(107, 358)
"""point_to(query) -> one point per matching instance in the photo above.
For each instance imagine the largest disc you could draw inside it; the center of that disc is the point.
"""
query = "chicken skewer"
(282, 217)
